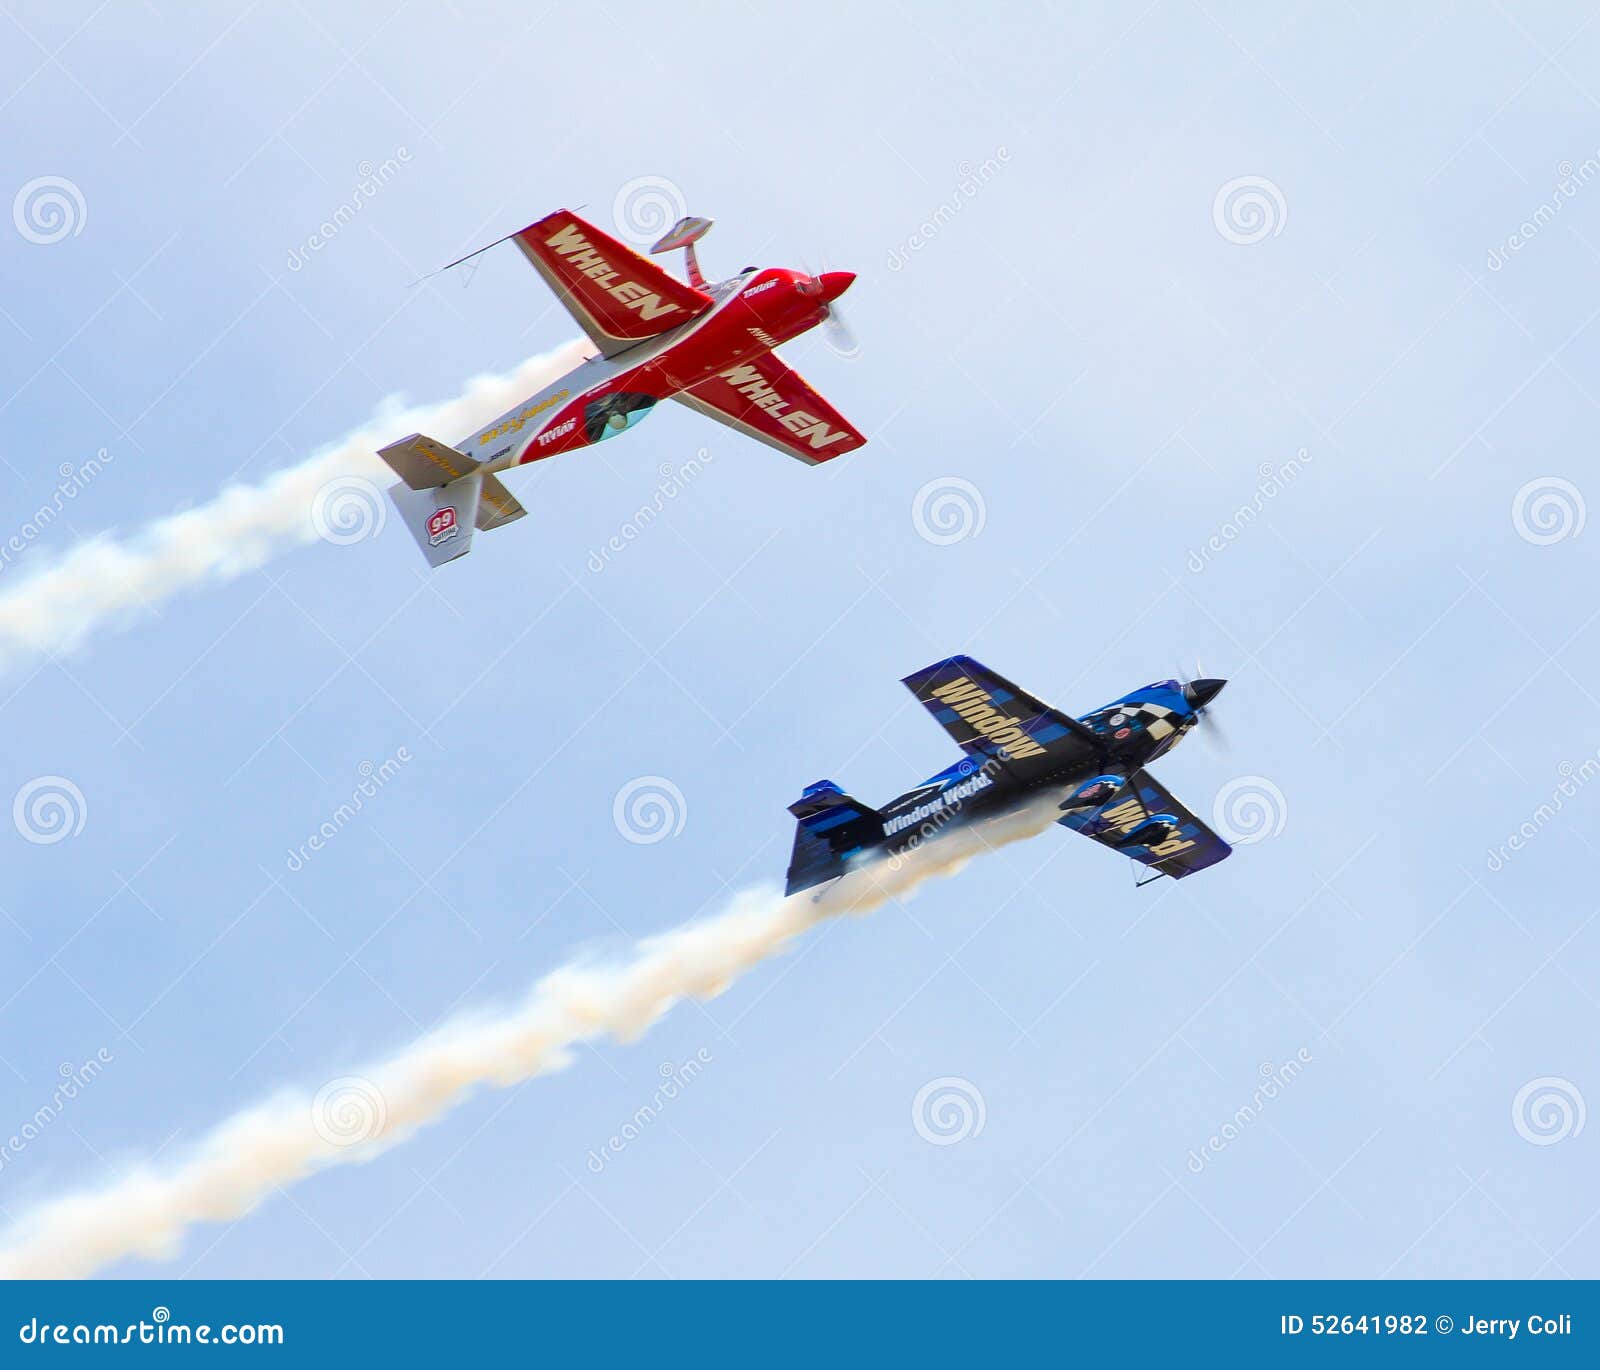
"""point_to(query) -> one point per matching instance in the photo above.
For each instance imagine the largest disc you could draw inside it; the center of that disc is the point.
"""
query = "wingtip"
(918, 678)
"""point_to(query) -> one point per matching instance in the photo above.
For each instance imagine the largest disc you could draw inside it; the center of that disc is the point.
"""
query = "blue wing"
(987, 716)
(1142, 820)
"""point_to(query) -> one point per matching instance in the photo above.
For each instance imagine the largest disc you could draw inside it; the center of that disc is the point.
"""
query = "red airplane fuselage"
(750, 314)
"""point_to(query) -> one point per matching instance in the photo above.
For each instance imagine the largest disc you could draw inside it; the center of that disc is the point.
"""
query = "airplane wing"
(772, 403)
(1176, 843)
(986, 714)
(619, 297)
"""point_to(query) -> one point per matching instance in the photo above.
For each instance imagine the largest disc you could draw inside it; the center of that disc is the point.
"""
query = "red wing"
(618, 296)
(767, 401)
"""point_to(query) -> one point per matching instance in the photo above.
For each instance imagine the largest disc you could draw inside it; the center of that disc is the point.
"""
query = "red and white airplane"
(707, 346)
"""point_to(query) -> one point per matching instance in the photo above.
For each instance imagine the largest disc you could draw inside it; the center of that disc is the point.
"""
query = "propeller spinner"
(1198, 693)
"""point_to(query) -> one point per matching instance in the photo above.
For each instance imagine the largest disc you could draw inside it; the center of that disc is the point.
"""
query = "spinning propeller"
(827, 286)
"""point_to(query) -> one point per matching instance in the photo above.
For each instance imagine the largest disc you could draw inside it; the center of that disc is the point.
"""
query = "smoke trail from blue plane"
(358, 1115)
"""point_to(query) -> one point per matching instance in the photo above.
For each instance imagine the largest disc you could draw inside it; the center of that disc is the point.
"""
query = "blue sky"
(1095, 341)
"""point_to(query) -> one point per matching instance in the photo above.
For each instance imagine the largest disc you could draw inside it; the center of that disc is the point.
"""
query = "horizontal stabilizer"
(497, 506)
(424, 463)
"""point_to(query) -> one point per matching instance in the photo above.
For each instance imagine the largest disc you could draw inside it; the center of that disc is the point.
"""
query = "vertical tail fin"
(438, 499)
(833, 826)
(442, 519)
(445, 495)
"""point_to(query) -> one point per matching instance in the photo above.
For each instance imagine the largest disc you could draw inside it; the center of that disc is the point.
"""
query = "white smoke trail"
(105, 578)
(291, 1135)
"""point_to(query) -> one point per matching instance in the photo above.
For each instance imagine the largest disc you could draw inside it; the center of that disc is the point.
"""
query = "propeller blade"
(838, 334)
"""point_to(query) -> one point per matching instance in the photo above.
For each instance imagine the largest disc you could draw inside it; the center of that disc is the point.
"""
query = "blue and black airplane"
(1016, 750)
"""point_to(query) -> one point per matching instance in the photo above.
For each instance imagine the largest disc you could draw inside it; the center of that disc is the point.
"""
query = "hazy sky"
(1113, 264)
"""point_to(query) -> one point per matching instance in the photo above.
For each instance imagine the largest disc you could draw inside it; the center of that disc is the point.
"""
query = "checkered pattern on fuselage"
(1144, 722)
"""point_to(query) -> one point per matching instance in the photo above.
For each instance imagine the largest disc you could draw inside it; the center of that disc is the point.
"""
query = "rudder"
(833, 826)
(442, 519)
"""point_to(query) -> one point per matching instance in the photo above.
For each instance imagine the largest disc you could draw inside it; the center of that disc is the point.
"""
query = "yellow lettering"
(959, 688)
(1125, 815)
(1171, 847)
(513, 423)
(567, 240)
(652, 306)
(821, 435)
(976, 708)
